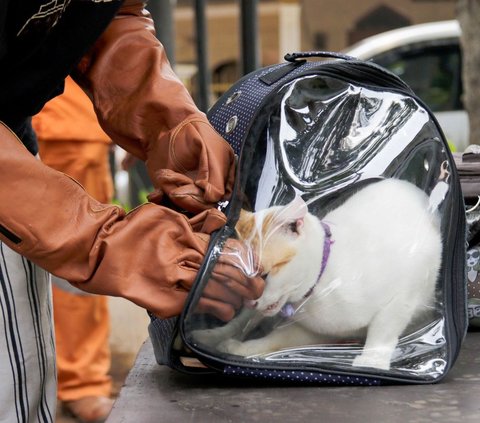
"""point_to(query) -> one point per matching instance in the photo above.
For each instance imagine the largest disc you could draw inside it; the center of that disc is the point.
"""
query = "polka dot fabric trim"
(251, 93)
(296, 376)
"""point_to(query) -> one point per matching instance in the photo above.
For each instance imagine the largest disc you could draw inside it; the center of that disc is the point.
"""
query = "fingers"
(218, 291)
(206, 222)
(183, 191)
(227, 291)
(238, 255)
(218, 309)
(234, 278)
(223, 301)
(250, 288)
(197, 147)
(190, 197)
(256, 286)
(233, 281)
(202, 168)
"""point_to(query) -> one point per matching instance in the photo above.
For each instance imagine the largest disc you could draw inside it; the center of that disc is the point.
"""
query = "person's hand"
(153, 255)
(194, 168)
(155, 117)
(233, 282)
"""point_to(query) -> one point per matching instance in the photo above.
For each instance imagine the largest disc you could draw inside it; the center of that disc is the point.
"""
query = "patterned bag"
(468, 165)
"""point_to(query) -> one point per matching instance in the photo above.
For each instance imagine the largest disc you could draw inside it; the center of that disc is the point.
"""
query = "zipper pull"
(222, 205)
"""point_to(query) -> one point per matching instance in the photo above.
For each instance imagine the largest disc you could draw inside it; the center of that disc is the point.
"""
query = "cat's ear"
(296, 209)
(292, 215)
(245, 215)
(245, 224)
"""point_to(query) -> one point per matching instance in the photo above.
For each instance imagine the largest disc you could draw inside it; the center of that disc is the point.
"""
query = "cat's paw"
(207, 336)
(232, 346)
(249, 348)
(373, 360)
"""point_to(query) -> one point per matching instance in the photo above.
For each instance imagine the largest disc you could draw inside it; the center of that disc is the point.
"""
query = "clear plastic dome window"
(343, 200)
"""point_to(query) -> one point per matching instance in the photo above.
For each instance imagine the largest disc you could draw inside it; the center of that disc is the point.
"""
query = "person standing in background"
(71, 141)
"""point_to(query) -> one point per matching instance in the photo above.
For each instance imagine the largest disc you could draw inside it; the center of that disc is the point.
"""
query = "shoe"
(89, 409)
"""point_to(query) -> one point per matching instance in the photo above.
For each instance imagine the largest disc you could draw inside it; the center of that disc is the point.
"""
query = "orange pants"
(81, 320)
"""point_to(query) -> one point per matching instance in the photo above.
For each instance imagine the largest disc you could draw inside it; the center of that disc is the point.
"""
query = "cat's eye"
(293, 227)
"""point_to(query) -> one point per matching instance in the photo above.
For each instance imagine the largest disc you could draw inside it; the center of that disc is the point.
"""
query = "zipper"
(222, 205)
(459, 319)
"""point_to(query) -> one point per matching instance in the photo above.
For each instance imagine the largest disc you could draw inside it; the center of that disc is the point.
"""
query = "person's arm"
(150, 256)
(146, 109)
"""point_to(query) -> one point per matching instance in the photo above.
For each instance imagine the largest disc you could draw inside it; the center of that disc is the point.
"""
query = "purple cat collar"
(288, 310)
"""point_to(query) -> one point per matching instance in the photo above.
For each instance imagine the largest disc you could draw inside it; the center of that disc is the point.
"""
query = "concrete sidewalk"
(156, 394)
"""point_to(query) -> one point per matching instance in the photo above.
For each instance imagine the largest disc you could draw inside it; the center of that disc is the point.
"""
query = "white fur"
(381, 273)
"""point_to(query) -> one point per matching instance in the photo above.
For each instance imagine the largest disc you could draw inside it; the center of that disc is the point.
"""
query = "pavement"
(154, 394)
(121, 365)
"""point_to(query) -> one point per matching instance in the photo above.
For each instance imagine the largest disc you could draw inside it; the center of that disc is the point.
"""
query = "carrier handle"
(292, 57)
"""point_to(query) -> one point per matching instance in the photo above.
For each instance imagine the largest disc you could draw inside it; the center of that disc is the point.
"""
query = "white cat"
(367, 269)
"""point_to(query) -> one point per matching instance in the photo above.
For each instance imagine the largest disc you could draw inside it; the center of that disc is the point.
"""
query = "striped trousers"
(27, 344)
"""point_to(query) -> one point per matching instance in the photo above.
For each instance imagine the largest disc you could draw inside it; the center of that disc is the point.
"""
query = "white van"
(427, 57)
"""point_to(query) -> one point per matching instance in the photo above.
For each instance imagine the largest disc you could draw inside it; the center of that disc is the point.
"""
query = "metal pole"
(162, 13)
(204, 78)
(249, 35)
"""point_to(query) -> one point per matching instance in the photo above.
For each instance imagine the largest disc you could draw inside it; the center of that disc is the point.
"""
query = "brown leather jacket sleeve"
(150, 256)
(146, 109)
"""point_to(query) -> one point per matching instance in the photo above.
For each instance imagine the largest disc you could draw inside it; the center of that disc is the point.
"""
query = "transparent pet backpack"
(347, 203)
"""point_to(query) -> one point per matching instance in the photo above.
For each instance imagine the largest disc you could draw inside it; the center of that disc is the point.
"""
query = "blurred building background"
(286, 26)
